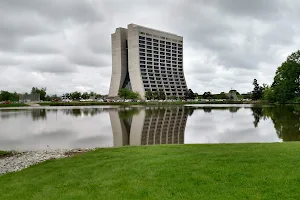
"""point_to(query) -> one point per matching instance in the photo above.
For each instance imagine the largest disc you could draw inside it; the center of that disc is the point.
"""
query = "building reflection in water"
(149, 126)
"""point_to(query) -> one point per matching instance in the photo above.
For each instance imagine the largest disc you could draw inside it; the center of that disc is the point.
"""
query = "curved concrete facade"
(147, 59)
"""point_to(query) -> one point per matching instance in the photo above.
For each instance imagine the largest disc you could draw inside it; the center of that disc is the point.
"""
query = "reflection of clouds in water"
(225, 127)
(57, 131)
(52, 139)
(85, 127)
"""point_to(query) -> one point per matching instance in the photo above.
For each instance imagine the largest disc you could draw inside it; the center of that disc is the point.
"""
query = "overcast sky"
(64, 45)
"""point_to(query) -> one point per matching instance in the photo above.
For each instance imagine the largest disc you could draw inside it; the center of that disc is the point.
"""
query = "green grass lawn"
(223, 171)
(13, 105)
(4, 153)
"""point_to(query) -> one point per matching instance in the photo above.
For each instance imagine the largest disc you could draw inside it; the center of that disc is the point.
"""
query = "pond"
(104, 126)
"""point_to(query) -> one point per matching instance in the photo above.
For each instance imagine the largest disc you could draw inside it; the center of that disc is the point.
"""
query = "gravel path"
(22, 160)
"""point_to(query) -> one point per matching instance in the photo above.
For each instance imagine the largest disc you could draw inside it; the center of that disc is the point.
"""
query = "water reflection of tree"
(234, 109)
(257, 113)
(286, 121)
(38, 114)
(128, 113)
(76, 112)
(207, 109)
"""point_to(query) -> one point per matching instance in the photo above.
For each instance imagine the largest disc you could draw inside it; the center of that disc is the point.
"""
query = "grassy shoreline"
(13, 105)
(5, 154)
(218, 171)
(137, 103)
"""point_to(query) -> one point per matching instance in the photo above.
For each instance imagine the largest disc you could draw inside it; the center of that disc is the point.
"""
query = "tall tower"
(147, 59)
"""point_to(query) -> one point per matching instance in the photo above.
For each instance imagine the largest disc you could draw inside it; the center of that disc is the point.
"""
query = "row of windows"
(161, 65)
(144, 48)
(161, 37)
(163, 55)
(168, 67)
(162, 70)
(145, 80)
(156, 58)
(162, 62)
(167, 93)
(163, 77)
(158, 120)
(159, 41)
(143, 69)
(144, 44)
(150, 45)
(165, 84)
(165, 81)
(162, 51)
(159, 85)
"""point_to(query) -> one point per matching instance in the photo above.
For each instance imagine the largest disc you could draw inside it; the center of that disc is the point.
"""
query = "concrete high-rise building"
(147, 59)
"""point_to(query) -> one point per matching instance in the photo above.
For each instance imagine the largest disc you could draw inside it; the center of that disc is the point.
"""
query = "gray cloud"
(227, 43)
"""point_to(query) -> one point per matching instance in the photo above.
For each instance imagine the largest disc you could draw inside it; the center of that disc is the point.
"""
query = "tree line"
(286, 84)
(14, 96)
(189, 94)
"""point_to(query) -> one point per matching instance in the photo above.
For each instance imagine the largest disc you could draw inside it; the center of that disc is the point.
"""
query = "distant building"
(145, 59)
(29, 97)
(232, 94)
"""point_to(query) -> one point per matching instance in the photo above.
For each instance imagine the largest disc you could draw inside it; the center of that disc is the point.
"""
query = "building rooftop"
(135, 25)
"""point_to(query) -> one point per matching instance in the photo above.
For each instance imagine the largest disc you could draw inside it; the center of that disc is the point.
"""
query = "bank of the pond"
(15, 161)
(221, 171)
(4, 153)
(12, 105)
(154, 103)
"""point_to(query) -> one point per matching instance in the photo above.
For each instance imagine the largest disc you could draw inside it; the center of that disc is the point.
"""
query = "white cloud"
(65, 45)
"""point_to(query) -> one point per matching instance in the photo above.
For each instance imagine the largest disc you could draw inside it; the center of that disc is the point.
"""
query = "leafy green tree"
(161, 95)
(42, 92)
(269, 94)
(149, 95)
(85, 95)
(7, 96)
(155, 95)
(189, 94)
(207, 95)
(172, 97)
(257, 92)
(75, 95)
(92, 94)
(196, 95)
(128, 94)
(286, 83)
(222, 95)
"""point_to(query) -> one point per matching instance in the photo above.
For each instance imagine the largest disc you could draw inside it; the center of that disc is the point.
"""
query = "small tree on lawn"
(128, 94)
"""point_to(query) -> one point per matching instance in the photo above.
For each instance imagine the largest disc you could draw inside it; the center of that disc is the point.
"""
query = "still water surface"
(87, 127)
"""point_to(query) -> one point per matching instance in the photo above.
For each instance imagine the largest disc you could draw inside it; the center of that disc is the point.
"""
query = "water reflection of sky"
(59, 130)
(88, 127)
(221, 126)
